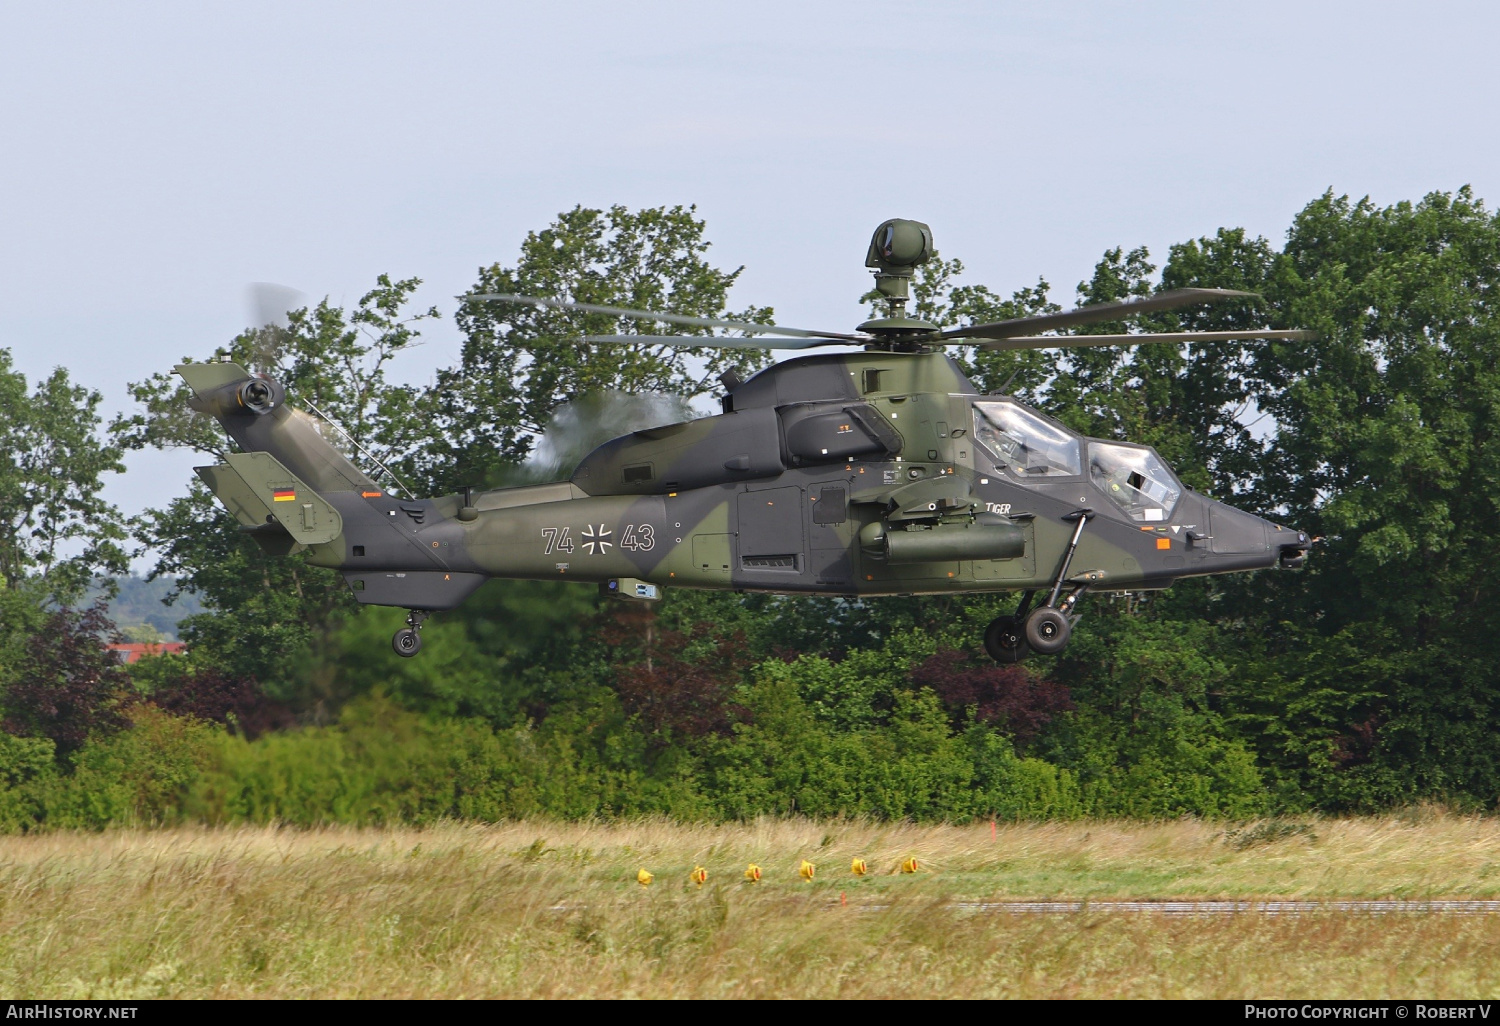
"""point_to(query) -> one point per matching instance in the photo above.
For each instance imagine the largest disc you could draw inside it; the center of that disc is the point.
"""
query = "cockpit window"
(1136, 479)
(1024, 442)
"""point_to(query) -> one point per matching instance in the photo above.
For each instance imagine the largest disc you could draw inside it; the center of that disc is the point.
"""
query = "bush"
(143, 776)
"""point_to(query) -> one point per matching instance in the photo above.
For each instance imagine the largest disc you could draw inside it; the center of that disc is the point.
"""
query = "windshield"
(1136, 479)
(1024, 442)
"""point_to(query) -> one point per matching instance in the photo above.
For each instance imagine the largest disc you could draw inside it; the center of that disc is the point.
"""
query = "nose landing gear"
(408, 640)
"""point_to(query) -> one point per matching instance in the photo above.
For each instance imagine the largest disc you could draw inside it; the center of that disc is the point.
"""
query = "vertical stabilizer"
(254, 412)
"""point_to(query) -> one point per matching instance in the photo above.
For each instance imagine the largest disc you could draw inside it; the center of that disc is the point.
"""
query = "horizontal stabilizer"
(259, 491)
(206, 378)
(237, 496)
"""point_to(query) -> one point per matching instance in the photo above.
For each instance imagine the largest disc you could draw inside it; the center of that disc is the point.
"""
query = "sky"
(156, 158)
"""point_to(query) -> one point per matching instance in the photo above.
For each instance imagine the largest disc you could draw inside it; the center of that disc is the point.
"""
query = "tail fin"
(254, 412)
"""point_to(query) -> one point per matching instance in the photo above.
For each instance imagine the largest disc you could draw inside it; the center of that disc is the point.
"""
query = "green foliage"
(272, 617)
(268, 617)
(143, 776)
(1362, 683)
(520, 362)
(51, 467)
(27, 768)
(783, 760)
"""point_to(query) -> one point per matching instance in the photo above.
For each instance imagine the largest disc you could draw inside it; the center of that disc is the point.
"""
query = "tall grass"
(549, 909)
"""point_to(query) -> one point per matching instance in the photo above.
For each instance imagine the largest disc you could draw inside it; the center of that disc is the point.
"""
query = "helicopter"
(878, 471)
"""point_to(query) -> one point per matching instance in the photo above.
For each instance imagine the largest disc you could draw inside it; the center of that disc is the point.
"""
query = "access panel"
(770, 531)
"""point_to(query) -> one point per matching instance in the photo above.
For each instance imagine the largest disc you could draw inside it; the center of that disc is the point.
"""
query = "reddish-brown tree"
(68, 686)
(675, 694)
(211, 694)
(1008, 696)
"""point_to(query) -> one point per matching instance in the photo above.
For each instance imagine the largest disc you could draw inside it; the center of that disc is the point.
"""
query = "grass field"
(554, 910)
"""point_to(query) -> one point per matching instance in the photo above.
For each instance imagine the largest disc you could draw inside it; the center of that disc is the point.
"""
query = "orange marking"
(1164, 543)
(370, 495)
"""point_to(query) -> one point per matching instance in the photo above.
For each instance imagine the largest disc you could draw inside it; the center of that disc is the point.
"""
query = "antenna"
(354, 442)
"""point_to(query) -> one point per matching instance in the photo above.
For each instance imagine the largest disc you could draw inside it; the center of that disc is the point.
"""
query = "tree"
(936, 297)
(333, 363)
(521, 362)
(1387, 447)
(269, 613)
(68, 686)
(1010, 697)
(53, 522)
(678, 682)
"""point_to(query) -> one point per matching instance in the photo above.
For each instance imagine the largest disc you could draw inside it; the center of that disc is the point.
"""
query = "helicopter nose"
(1292, 546)
(1249, 541)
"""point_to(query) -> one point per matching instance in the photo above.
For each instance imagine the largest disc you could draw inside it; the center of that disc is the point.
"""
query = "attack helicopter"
(879, 471)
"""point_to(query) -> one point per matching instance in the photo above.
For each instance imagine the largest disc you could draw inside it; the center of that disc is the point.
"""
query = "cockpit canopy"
(1034, 448)
(1135, 478)
(1026, 444)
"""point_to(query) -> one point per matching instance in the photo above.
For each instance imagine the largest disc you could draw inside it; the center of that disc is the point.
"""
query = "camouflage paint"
(771, 495)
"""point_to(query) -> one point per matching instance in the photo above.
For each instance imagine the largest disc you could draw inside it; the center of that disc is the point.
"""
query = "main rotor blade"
(1077, 341)
(647, 315)
(721, 341)
(1096, 314)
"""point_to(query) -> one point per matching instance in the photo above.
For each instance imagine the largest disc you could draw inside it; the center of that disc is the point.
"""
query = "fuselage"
(862, 474)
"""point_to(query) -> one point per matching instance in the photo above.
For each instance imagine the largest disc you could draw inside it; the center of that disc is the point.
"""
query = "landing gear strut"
(1047, 628)
(408, 640)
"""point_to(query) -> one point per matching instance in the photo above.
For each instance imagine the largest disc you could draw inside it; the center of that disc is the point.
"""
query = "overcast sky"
(155, 158)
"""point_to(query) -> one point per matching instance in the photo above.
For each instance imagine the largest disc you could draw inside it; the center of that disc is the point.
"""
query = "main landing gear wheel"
(407, 642)
(1047, 630)
(1005, 640)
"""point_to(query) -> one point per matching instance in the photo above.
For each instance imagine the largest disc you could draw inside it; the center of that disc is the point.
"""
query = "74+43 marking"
(597, 540)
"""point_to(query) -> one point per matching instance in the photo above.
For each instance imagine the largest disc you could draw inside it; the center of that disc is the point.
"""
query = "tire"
(1005, 640)
(1047, 631)
(406, 642)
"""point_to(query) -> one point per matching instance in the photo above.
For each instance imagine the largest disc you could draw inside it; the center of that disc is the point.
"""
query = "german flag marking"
(284, 495)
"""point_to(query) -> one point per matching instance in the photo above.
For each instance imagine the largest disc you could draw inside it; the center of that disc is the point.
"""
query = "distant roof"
(134, 651)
